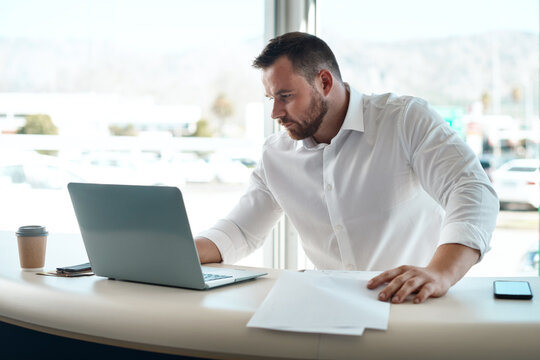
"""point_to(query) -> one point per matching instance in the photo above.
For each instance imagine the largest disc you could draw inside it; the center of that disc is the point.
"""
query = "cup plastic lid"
(32, 230)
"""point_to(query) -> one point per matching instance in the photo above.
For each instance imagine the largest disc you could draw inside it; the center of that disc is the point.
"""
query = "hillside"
(450, 71)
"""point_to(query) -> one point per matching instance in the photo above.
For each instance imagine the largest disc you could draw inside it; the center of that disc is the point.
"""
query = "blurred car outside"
(517, 182)
(488, 167)
(215, 167)
(32, 170)
(247, 162)
(35, 171)
(530, 260)
(191, 167)
(490, 162)
(125, 167)
(229, 170)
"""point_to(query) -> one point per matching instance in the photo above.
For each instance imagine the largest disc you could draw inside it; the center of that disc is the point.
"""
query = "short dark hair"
(307, 53)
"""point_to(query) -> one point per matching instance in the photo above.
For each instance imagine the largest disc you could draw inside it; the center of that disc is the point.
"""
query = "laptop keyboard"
(210, 277)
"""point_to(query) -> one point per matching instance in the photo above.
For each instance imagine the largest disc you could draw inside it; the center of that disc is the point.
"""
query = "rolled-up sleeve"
(246, 227)
(450, 172)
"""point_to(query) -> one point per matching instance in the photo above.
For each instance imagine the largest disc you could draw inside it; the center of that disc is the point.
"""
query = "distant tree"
(517, 94)
(40, 124)
(223, 108)
(203, 129)
(128, 130)
(486, 100)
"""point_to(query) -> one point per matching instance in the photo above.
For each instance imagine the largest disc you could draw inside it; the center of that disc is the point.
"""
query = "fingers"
(386, 277)
(403, 281)
(400, 287)
(412, 284)
(426, 291)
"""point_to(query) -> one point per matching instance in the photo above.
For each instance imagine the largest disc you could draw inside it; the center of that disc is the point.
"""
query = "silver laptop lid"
(137, 233)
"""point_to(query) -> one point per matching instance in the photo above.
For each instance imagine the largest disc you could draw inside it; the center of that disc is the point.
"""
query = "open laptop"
(142, 234)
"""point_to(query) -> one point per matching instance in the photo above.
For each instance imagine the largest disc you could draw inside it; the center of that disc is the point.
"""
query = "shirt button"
(338, 228)
(349, 267)
(328, 187)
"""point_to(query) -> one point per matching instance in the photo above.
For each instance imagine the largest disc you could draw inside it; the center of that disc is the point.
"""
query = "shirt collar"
(354, 120)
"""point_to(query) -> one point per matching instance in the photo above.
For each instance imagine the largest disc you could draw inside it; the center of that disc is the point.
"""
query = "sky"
(197, 20)
(391, 20)
(153, 22)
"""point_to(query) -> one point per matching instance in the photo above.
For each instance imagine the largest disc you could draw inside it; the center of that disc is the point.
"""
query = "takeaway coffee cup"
(32, 240)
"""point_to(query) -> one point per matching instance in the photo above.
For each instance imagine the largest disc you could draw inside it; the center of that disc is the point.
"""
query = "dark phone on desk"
(74, 268)
(512, 290)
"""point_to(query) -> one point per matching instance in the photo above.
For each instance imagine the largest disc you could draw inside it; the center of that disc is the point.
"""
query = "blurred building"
(93, 114)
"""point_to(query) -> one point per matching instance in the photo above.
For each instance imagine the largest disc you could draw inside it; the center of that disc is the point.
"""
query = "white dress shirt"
(392, 185)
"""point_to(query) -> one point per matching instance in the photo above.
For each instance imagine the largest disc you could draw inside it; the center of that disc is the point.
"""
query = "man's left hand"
(406, 280)
(448, 265)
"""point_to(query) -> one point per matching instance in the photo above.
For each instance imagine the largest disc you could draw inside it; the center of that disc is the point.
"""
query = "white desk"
(467, 323)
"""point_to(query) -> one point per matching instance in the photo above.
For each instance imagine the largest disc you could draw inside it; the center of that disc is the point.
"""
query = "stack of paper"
(332, 302)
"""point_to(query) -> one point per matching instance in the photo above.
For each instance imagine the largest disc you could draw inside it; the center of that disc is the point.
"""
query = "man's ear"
(326, 81)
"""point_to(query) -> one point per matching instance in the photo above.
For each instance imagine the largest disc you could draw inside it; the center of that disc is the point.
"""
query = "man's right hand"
(208, 251)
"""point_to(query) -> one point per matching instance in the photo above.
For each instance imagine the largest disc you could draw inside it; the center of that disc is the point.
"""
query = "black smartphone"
(74, 268)
(503, 289)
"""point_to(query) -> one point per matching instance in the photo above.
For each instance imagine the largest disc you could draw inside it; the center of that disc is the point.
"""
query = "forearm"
(244, 229)
(208, 251)
(453, 261)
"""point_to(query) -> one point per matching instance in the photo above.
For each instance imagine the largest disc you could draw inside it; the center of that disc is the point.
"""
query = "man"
(369, 182)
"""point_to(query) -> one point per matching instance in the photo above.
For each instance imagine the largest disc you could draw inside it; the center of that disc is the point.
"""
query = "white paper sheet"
(331, 302)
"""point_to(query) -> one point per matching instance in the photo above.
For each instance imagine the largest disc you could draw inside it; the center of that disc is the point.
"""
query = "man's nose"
(278, 111)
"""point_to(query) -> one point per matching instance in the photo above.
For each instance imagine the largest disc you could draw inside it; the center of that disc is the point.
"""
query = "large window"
(140, 92)
(162, 92)
(476, 62)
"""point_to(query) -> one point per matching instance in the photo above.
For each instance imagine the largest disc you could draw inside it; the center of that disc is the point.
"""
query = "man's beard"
(308, 124)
